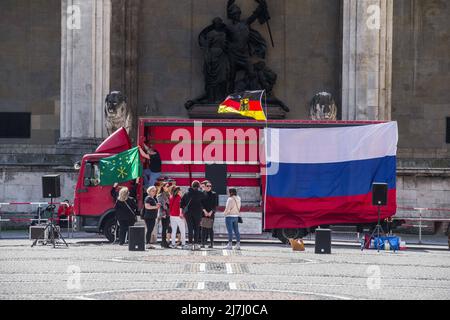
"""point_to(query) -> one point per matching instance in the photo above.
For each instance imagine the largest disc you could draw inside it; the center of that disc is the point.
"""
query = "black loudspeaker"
(217, 174)
(51, 187)
(136, 238)
(38, 233)
(323, 241)
(379, 194)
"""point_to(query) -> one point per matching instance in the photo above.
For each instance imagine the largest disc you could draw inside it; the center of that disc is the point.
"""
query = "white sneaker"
(229, 246)
(238, 246)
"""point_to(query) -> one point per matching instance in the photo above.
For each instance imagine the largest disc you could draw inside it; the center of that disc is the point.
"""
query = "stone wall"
(24, 184)
(421, 77)
(30, 58)
(306, 56)
(423, 189)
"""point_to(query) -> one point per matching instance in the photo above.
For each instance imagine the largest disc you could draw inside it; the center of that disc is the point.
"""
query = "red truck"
(224, 151)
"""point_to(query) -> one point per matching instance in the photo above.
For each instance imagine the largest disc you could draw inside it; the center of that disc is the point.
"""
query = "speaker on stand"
(379, 199)
(51, 188)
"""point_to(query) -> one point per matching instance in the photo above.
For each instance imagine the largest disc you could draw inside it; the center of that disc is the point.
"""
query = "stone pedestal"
(85, 76)
(367, 59)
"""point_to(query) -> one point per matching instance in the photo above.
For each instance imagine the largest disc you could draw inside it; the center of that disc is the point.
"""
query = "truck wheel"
(285, 234)
(109, 229)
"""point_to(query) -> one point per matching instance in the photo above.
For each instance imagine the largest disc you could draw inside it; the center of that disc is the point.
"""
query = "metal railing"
(39, 220)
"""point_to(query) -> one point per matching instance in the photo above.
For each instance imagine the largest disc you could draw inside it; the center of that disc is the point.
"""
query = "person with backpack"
(193, 211)
(150, 214)
(232, 217)
(125, 209)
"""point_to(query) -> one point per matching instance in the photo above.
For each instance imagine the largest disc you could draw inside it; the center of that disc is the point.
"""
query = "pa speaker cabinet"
(51, 187)
(136, 238)
(379, 194)
(323, 241)
(38, 233)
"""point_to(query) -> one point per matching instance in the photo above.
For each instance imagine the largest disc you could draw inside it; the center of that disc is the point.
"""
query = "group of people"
(195, 209)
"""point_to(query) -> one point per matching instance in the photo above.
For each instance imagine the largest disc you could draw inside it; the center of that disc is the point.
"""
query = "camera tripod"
(53, 232)
(377, 230)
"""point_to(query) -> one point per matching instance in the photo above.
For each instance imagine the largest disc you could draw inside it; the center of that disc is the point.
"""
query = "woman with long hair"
(125, 213)
(177, 217)
(163, 198)
(232, 213)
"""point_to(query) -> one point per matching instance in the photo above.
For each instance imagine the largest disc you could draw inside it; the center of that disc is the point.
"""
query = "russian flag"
(320, 176)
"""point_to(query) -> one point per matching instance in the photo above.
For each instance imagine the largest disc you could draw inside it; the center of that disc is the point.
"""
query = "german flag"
(247, 104)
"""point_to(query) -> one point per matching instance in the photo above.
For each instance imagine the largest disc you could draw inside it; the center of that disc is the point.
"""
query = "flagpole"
(265, 156)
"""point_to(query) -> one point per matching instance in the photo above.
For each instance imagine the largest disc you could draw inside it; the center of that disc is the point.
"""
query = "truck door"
(94, 199)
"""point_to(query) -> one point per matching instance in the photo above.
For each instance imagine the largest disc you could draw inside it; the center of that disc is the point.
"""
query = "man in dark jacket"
(192, 204)
(209, 203)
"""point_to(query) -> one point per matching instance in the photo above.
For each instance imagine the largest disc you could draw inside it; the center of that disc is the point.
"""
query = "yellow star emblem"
(122, 173)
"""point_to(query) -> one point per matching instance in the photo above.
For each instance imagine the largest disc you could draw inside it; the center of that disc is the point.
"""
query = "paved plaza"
(93, 269)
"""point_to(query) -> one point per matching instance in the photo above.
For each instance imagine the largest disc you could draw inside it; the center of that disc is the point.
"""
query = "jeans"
(150, 224)
(232, 226)
(193, 222)
(150, 178)
(177, 222)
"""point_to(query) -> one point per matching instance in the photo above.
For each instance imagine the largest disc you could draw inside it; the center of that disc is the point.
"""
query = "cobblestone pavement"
(92, 269)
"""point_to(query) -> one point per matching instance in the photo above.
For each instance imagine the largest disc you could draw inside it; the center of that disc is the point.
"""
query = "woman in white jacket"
(232, 214)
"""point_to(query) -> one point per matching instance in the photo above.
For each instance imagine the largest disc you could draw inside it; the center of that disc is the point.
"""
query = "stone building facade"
(381, 59)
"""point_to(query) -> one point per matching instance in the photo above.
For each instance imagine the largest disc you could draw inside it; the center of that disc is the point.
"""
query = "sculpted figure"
(117, 112)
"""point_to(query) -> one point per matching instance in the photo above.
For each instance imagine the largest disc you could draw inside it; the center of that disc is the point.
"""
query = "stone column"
(367, 59)
(85, 67)
(124, 53)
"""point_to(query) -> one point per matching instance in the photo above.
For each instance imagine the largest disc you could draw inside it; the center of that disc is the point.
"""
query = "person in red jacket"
(177, 217)
(65, 211)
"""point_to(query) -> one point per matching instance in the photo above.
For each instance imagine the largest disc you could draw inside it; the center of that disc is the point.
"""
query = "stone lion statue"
(323, 107)
(117, 112)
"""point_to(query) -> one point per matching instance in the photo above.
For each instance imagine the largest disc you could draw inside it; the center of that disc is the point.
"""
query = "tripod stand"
(53, 232)
(377, 230)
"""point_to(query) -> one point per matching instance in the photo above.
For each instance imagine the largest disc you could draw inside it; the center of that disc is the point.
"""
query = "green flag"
(122, 167)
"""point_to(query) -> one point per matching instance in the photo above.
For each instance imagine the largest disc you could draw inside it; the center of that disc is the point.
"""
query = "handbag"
(239, 209)
(206, 223)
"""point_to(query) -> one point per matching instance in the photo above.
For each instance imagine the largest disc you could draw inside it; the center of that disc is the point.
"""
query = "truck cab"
(93, 203)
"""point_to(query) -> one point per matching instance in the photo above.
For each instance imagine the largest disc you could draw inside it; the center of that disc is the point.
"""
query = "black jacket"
(210, 202)
(152, 213)
(123, 212)
(193, 200)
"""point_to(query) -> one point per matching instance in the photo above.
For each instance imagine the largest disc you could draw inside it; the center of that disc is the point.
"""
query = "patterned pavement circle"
(211, 294)
(210, 259)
